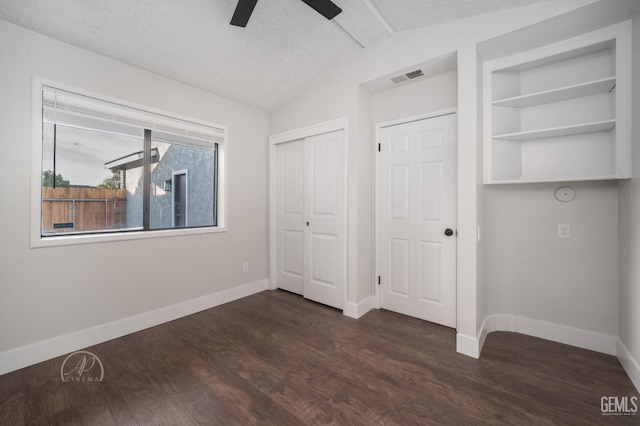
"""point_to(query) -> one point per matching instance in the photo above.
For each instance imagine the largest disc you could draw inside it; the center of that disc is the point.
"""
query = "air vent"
(399, 79)
(414, 74)
(407, 76)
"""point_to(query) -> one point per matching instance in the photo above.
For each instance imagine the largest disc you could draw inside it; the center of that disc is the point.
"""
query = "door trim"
(376, 140)
(340, 123)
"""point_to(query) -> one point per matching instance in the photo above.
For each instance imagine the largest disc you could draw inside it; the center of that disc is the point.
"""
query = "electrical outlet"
(245, 266)
(564, 231)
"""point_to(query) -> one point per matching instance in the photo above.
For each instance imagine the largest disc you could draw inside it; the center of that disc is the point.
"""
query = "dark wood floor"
(275, 358)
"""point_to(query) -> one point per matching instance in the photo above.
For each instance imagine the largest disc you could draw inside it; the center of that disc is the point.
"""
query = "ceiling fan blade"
(326, 8)
(243, 12)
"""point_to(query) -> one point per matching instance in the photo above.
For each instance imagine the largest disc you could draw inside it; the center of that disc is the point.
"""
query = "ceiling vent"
(414, 74)
(399, 79)
(407, 76)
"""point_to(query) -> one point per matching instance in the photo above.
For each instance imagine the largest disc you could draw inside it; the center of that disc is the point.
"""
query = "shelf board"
(551, 179)
(598, 126)
(560, 94)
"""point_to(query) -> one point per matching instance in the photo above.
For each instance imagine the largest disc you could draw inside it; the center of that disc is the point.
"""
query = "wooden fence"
(83, 209)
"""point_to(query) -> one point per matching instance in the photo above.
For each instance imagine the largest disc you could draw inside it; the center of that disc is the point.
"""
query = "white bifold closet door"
(310, 217)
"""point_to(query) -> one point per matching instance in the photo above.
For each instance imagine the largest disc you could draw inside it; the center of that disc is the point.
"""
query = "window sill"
(38, 241)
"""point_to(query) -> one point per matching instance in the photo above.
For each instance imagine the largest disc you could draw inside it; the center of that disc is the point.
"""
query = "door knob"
(448, 232)
(307, 223)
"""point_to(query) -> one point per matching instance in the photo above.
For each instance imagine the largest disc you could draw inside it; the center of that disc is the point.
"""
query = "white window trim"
(36, 239)
(173, 198)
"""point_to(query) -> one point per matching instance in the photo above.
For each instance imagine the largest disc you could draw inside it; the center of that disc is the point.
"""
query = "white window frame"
(37, 240)
(186, 196)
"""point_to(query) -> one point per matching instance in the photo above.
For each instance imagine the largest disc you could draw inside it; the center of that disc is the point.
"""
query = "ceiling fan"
(244, 9)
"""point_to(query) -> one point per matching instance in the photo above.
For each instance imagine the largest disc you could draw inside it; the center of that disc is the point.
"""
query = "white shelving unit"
(561, 112)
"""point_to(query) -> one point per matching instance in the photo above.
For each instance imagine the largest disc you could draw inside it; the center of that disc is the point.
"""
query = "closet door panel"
(325, 236)
(290, 216)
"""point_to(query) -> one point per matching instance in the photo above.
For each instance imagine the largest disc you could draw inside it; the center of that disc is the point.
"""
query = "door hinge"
(379, 147)
(378, 279)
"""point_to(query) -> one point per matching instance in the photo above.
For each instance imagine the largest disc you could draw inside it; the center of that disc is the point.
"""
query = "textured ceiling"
(285, 46)
(407, 14)
(583, 20)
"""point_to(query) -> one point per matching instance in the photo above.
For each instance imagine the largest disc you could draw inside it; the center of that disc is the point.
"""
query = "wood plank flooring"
(277, 359)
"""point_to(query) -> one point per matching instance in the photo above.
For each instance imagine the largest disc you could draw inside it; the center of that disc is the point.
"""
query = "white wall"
(468, 276)
(366, 208)
(338, 94)
(49, 292)
(531, 273)
(416, 97)
(480, 207)
(629, 209)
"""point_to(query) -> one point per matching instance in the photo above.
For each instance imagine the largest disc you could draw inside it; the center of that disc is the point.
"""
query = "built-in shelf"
(560, 112)
(599, 126)
(560, 94)
(526, 179)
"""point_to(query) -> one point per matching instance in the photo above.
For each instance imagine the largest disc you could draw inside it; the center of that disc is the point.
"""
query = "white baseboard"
(467, 345)
(482, 336)
(578, 337)
(629, 363)
(356, 310)
(24, 356)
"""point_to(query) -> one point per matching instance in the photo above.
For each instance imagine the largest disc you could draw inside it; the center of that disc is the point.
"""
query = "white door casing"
(417, 203)
(310, 217)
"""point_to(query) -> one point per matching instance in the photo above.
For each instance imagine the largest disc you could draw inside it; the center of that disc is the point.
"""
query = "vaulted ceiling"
(284, 47)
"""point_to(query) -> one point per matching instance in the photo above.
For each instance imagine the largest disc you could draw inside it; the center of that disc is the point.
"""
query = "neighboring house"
(182, 186)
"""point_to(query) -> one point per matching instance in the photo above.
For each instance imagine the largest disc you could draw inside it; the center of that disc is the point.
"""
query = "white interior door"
(290, 159)
(310, 217)
(325, 230)
(417, 178)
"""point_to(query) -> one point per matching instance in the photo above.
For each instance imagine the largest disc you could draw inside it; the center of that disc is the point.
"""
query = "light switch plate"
(564, 231)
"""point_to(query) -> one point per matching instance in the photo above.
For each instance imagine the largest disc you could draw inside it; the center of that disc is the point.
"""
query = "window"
(111, 169)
